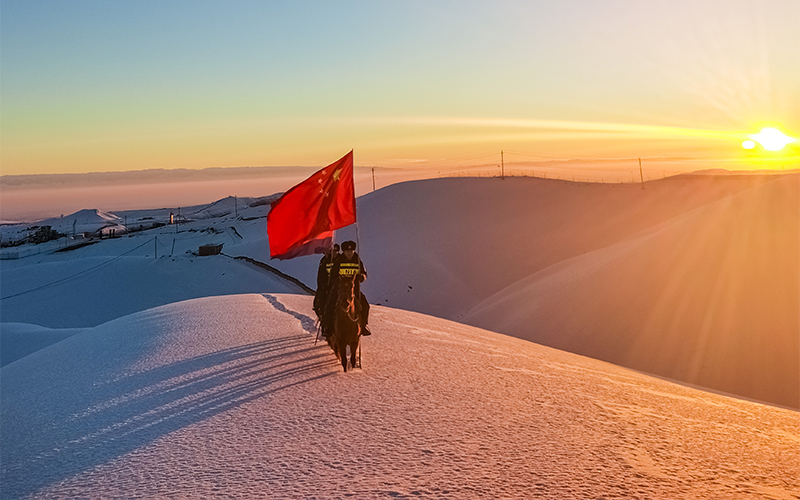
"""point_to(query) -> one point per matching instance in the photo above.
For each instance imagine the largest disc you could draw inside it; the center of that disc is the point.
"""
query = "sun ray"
(578, 126)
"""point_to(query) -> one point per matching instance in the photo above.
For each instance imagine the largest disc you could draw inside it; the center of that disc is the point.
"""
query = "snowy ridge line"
(205, 207)
(42, 287)
(271, 269)
(217, 202)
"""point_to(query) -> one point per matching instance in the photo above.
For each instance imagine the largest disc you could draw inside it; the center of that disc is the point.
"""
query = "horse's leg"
(343, 355)
(331, 340)
(353, 351)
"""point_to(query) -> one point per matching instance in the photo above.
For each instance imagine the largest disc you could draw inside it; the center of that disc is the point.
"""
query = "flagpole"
(358, 240)
(358, 245)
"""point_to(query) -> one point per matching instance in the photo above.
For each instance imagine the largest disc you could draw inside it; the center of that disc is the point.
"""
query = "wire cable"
(76, 274)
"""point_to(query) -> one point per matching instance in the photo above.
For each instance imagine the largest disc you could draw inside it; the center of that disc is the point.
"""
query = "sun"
(770, 139)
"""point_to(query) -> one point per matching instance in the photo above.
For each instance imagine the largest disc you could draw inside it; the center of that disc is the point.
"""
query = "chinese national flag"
(301, 222)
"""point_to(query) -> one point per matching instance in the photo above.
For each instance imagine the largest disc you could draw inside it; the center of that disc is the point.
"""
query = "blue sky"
(98, 86)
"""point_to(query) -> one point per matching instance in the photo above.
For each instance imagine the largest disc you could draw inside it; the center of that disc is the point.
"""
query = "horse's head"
(347, 287)
(346, 297)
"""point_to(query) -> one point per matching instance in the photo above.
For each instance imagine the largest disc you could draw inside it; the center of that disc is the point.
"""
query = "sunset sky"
(91, 86)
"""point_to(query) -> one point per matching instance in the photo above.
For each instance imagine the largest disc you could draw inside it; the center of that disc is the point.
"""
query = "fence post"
(640, 173)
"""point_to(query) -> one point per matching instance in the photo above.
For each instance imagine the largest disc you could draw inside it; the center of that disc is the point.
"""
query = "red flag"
(300, 221)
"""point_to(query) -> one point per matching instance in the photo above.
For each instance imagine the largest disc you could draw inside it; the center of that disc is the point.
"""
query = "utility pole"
(235, 207)
(373, 178)
(640, 172)
(502, 166)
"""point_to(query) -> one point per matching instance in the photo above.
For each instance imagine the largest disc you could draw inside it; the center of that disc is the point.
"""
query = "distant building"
(210, 250)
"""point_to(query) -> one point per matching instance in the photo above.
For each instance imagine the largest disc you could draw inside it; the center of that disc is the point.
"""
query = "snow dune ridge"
(229, 396)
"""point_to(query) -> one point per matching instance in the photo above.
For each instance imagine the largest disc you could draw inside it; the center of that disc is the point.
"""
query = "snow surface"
(17, 340)
(127, 285)
(132, 367)
(694, 278)
(97, 283)
(229, 397)
(710, 297)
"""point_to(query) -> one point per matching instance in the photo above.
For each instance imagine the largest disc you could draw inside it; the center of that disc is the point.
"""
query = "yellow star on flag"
(337, 174)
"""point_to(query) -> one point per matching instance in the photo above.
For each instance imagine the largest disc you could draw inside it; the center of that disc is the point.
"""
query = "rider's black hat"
(349, 245)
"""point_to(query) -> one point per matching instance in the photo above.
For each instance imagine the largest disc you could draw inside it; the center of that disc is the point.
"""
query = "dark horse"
(346, 322)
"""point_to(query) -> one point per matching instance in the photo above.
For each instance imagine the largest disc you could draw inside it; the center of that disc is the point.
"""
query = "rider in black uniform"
(347, 264)
(323, 279)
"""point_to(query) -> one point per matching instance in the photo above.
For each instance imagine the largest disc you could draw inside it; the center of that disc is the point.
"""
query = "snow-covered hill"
(694, 278)
(711, 297)
(86, 220)
(110, 289)
(229, 397)
(455, 242)
(90, 285)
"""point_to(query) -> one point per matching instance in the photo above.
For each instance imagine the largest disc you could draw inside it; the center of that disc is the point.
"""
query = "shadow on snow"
(119, 416)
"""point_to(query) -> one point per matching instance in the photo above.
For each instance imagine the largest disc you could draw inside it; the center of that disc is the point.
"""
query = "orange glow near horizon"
(379, 141)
